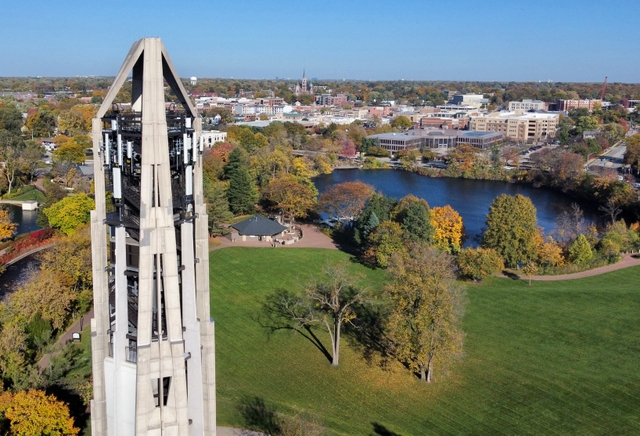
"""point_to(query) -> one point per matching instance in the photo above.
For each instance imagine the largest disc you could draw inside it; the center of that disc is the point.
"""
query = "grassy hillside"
(552, 358)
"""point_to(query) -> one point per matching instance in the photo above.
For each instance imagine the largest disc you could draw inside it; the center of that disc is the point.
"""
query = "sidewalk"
(627, 261)
(67, 337)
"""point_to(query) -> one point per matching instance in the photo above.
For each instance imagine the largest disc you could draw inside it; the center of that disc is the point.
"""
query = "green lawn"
(548, 359)
(29, 193)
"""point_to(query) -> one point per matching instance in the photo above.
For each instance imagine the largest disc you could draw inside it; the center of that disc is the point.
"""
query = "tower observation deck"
(152, 337)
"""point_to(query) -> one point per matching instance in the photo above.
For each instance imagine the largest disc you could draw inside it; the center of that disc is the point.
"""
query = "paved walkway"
(312, 237)
(39, 184)
(28, 253)
(627, 261)
(66, 337)
(228, 431)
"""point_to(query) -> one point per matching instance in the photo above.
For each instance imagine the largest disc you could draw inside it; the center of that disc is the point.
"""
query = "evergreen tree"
(580, 250)
(370, 225)
(379, 205)
(242, 192)
(237, 159)
(217, 203)
(416, 223)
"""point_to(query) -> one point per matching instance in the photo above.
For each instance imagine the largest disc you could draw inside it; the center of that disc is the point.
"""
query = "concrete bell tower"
(152, 337)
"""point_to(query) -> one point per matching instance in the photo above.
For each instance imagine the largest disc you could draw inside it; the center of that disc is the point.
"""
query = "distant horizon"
(609, 82)
(374, 40)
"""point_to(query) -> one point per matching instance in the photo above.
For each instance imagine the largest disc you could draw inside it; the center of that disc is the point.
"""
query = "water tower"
(152, 337)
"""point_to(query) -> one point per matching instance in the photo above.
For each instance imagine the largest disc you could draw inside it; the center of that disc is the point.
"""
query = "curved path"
(628, 260)
(29, 253)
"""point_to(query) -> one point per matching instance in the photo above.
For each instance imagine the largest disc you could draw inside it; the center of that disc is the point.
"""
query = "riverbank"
(585, 187)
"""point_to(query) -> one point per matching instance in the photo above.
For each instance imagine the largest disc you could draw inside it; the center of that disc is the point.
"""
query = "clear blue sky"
(558, 40)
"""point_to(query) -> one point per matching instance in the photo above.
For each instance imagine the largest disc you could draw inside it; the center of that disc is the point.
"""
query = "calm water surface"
(470, 198)
(17, 273)
(26, 219)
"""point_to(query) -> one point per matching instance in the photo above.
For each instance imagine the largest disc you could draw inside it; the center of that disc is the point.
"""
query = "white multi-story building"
(518, 126)
(211, 137)
(527, 105)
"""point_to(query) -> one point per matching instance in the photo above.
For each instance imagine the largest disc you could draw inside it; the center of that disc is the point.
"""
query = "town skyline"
(410, 40)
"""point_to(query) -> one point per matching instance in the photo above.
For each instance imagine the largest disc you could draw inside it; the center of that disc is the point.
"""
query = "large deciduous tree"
(413, 215)
(69, 213)
(632, 153)
(345, 201)
(511, 229)
(385, 240)
(11, 119)
(41, 123)
(71, 152)
(15, 165)
(77, 119)
(424, 322)
(290, 195)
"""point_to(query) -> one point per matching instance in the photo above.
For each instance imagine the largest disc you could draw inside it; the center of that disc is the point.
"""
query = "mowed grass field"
(553, 358)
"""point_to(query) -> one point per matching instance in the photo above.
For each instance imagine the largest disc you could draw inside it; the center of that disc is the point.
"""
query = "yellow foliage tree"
(289, 194)
(46, 294)
(7, 228)
(302, 167)
(35, 413)
(549, 252)
(448, 228)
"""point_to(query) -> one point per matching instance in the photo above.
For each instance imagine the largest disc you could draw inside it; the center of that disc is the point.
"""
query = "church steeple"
(303, 85)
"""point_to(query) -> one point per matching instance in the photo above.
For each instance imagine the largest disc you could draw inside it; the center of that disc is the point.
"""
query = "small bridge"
(25, 204)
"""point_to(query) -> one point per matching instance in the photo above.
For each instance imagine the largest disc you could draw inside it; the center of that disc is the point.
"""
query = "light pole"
(588, 156)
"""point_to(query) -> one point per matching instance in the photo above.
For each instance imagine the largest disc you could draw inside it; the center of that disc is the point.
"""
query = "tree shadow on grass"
(511, 275)
(381, 430)
(259, 415)
(367, 335)
(284, 310)
(77, 408)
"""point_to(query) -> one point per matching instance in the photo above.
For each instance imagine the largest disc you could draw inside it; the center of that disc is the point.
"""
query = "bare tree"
(611, 209)
(326, 304)
(570, 224)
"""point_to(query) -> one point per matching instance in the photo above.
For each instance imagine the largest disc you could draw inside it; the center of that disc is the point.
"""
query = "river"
(470, 198)
(26, 219)
(17, 273)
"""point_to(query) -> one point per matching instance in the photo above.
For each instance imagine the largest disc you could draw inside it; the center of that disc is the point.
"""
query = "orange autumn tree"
(35, 413)
(345, 201)
(448, 228)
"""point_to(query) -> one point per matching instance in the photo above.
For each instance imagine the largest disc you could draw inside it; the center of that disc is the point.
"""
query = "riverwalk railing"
(26, 245)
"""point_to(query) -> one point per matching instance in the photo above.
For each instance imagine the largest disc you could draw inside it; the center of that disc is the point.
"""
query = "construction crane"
(604, 88)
